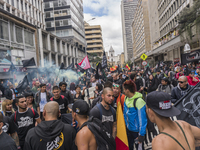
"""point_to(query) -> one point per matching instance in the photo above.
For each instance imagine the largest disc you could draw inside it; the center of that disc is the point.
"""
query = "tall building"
(169, 46)
(141, 31)
(93, 35)
(127, 15)
(30, 11)
(64, 18)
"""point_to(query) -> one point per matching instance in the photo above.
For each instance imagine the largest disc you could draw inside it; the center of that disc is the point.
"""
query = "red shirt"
(191, 82)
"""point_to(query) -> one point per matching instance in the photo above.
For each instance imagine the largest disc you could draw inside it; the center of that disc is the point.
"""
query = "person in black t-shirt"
(66, 92)
(60, 99)
(105, 112)
(6, 142)
(24, 118)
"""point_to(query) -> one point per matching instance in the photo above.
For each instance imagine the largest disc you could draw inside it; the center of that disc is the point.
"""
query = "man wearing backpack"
(51, 133)
(24, 118)
(92, 134)
(60, 99)
(134, 114)
(105, 112)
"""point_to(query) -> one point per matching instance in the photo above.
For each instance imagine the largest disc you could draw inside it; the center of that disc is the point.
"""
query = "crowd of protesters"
(50, 115)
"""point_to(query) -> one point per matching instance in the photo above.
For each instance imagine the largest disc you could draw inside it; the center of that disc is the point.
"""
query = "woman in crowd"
(78, 94)
(7, 108)
(98, 90)
(30, 101)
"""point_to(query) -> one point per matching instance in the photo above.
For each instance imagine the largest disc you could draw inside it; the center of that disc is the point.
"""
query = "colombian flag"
(127, 67)
(121, 138)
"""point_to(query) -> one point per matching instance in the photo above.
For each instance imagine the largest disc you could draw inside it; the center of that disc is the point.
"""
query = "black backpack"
(104, 139)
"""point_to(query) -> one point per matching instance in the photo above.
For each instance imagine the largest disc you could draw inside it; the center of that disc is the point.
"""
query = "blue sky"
(108, 15)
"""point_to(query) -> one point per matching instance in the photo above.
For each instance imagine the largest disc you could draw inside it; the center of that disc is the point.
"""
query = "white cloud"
(110, 23)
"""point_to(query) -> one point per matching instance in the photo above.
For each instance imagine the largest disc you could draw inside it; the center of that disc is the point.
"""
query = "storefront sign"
(190, 57)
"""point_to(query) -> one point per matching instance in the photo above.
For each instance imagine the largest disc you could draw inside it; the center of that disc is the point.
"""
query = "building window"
(50, 4)
(12, 31)
(4, 30)
(18, 32)
(28, 36)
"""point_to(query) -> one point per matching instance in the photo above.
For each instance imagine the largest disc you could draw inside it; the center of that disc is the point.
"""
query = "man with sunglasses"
(118, 96)
(181, 89)
(191, 79)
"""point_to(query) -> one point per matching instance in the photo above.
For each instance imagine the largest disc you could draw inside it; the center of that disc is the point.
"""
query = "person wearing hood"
(51, 133)
(182, 88)
(165, 86)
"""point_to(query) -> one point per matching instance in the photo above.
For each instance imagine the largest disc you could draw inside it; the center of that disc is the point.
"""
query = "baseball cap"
(80, 107)
(160, 102)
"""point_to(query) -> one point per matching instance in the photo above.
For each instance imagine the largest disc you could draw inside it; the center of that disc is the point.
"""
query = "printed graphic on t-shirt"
(107, 118)
(25, 122)
(5, 127)
(56, 143)
(62, 106)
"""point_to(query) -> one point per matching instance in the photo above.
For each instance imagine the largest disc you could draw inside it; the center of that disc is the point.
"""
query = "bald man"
(182, 88)
(105, 112)
(51, 133)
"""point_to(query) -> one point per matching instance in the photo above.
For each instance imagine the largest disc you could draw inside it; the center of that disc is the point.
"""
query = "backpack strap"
(51, 99)
(62, 96)
(100, 110)
(33, 112)
(134, 102)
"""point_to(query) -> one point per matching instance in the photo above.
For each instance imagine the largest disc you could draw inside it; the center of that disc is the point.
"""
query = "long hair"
(4, 103)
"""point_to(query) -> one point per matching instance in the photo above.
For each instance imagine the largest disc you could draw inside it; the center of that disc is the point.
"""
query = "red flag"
(85, 64)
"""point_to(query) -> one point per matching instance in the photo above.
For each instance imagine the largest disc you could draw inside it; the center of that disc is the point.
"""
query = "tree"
(93, 58)
(188, 18)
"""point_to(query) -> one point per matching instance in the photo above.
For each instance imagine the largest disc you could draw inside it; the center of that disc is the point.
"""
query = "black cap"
(160, 102)
(165, 79)
(81, 107)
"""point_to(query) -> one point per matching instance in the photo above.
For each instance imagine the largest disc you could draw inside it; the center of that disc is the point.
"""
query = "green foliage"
(189, 17)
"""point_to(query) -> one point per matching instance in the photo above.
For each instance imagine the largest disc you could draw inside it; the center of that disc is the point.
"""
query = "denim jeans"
(131, 137)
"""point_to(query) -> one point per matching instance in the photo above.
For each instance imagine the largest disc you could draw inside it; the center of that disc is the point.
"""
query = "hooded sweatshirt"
(49, 135)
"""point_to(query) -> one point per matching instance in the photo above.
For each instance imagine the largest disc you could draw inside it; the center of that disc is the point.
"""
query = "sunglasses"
(181, 82)
(192, 73)
(115, 85)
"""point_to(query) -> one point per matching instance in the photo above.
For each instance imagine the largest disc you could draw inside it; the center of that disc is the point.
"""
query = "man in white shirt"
(41, 98)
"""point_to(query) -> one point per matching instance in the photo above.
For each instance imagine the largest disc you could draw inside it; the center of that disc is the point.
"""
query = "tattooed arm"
(114, 134)
(15, 138)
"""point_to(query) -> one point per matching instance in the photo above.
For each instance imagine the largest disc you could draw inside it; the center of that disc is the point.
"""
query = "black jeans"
(131, 137)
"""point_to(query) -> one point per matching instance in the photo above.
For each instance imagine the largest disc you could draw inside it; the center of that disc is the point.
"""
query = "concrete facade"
(128, 8)
(31, 11)
(64, 18)
(141, 30)
(93, 35)
(55, 50)
(18, 41)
